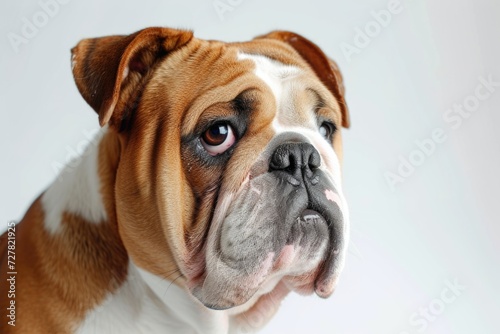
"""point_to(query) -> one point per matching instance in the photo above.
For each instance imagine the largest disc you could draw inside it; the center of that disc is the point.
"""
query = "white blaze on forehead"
(274, 74)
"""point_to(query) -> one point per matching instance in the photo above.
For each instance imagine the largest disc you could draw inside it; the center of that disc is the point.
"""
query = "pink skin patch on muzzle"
(333, 196)
(286, 257)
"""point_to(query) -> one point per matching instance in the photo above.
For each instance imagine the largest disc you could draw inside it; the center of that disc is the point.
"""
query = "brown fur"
(174, 82)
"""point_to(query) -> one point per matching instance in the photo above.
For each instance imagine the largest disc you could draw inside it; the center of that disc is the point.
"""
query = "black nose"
(295, 159)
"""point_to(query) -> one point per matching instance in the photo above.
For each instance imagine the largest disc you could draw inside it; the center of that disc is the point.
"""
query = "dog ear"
(325, 68)
(111, 71)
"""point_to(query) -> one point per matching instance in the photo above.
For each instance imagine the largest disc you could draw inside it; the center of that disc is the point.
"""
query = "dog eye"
(218, 138)
(327, 129)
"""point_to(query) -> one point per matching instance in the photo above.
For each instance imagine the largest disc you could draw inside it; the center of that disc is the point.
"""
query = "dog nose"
(295, 159)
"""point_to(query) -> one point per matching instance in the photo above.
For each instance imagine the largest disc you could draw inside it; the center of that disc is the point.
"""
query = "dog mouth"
(296, 238)
(315, 232)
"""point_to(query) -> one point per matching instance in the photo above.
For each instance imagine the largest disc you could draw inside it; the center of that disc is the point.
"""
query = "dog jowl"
(213, 191)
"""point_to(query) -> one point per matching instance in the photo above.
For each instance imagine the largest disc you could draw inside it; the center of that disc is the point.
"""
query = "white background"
(441, 223)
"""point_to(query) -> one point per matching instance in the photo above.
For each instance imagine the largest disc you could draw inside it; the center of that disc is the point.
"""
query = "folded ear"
(111, 71)
(325, 68)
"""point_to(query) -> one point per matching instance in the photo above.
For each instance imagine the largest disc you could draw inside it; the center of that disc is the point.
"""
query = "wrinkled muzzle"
(286, 224)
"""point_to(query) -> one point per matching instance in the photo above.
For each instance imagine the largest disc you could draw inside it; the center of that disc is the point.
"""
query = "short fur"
(129, 237)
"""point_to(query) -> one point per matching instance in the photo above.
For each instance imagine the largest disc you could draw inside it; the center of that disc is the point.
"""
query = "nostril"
(314, 159)
(280, 159)
(285, 158)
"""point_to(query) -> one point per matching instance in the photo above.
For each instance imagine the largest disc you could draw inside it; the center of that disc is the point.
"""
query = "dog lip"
(331, 266)
(329, 269)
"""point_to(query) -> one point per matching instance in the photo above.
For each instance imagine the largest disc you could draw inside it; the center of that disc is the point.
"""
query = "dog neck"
(80, 223)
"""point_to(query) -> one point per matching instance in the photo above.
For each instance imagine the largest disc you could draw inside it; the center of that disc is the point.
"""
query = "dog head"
(228, 179)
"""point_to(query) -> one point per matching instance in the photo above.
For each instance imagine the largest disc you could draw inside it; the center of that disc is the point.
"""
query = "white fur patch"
(133, 308)
(146, 303)
(273, 73)
(77, 190)
(184, 307)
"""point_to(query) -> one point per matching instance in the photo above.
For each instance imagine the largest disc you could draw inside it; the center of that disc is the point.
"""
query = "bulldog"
(212, 190)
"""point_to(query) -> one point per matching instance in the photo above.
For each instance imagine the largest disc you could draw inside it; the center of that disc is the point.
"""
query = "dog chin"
(303, 284)
(259, 260)
(293, 270)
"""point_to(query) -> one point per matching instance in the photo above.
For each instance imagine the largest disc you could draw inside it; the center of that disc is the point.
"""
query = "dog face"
(228, 180)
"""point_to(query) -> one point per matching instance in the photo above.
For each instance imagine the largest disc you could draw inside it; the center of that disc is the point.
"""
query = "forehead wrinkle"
(320, 103)
(223, 93)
